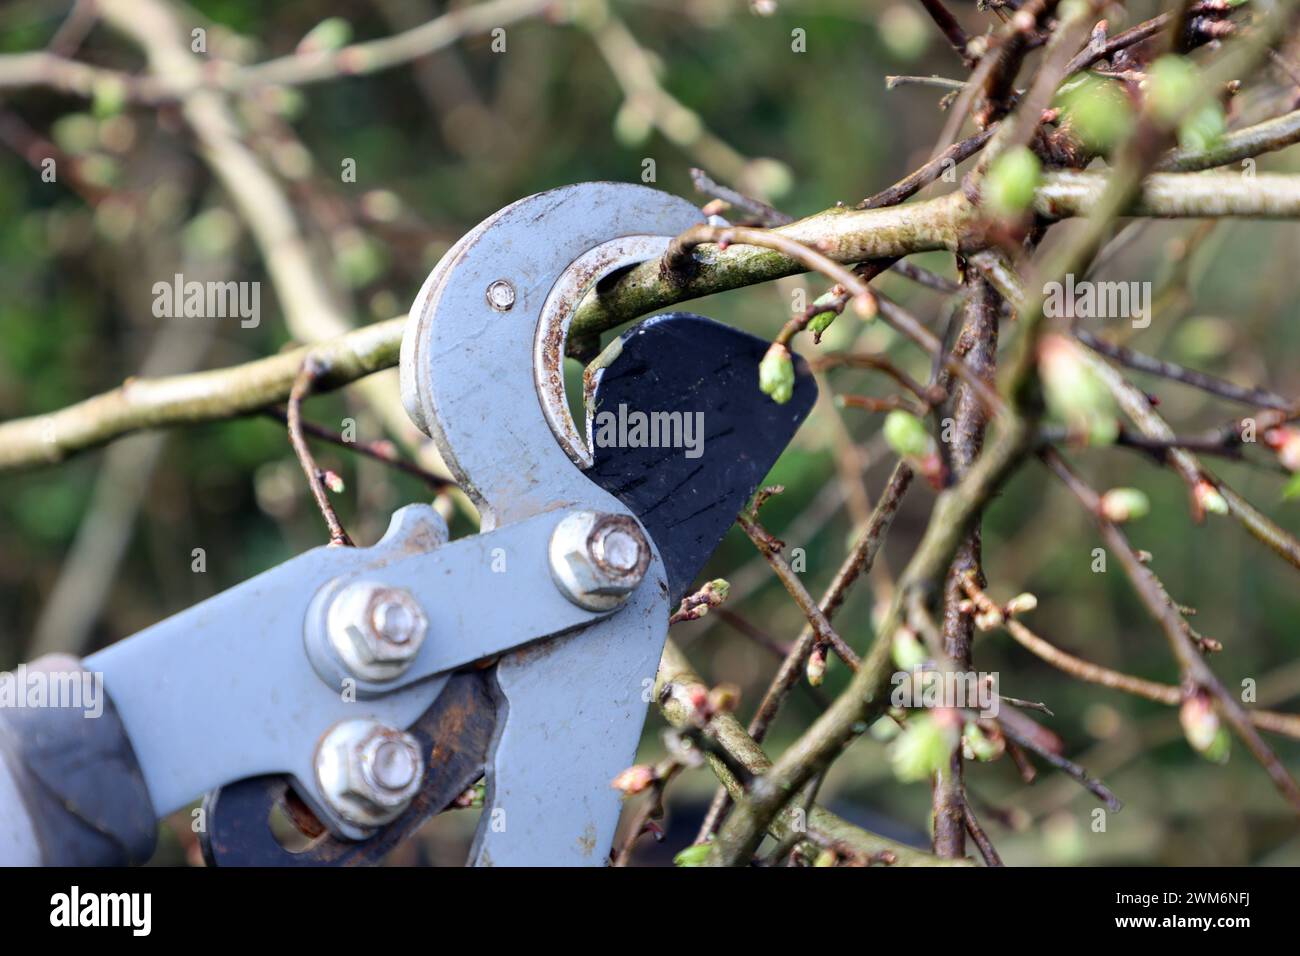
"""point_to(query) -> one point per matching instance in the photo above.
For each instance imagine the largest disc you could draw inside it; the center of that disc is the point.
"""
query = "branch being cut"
(848, 235)
(842, 235)
(140, 403)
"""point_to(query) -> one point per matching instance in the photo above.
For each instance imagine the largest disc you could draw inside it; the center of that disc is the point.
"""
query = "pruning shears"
(362, 690)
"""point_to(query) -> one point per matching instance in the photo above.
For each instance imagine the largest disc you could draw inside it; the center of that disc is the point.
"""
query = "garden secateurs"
(363, 689)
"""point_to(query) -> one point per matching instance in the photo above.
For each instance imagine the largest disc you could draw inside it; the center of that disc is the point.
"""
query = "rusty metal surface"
(453, 733)
(553, 330)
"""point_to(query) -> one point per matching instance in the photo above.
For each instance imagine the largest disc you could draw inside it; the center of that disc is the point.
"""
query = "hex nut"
(368, 773)
(375, 630)
(597, 560)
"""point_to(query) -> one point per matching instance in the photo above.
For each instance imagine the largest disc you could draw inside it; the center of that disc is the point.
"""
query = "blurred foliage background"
(443, 142)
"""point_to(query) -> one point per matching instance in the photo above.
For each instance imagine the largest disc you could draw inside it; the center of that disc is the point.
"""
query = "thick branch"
(853, 235)
(1175, 195)
(841, 234)
(200, 397)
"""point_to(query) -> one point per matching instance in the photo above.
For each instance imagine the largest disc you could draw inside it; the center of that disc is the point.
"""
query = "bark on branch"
(198, 397)
(850, 235)
(730, 735)
(843, 234)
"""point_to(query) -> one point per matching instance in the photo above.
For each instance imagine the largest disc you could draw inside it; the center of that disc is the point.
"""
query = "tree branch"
(849, 235)
(675, 672)
(843, 235)
(1167, 694)
(1195, 670)
(199, 397)
(296, 69)
(978, 341)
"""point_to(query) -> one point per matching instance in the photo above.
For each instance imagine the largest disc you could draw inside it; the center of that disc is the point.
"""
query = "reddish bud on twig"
(1208, 498)
(816, 669)
(634, 779)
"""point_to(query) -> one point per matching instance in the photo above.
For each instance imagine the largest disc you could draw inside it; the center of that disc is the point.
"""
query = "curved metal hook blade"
(482, 353)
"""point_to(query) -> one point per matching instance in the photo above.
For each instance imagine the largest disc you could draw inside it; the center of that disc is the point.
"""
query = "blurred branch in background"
(178, 81)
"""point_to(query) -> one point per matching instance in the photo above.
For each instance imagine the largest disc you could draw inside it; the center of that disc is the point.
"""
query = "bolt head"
(369, 773)
(597, 560)
(501, 295)
(376, 631)
(393, 620)
(619, 550)
(390, 765)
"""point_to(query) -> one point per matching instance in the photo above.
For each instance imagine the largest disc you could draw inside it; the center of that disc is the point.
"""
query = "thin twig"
(826, 634)
(302, 387)
(880, 363)
(1248, 395)
(942, 82)
(381, 451)
(1137, 406)
(646, 818)
(1167, 694)
(858, 562)
(914, 182)
(1195, 670)
(922, 276)
(981, 838)
(764, 214)
(949, 27)
(1067, 767)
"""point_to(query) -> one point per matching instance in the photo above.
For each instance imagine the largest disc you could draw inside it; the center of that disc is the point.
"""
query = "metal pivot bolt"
(501, 295)
(368, 773)
(597, 560)
(375, 630)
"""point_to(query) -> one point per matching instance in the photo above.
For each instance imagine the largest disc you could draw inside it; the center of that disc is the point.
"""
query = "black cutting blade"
(697, 381)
